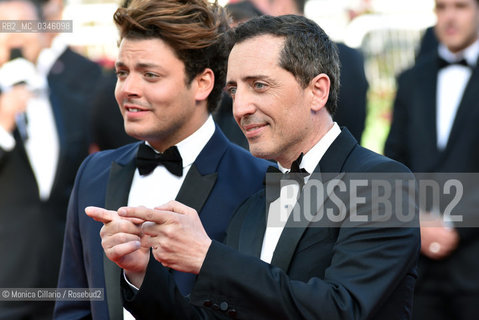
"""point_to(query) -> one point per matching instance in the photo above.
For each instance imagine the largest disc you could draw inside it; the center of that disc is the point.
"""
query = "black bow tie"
(295, 166)
(147, 160)
(444, 63)
(296, 173)
(276, 181)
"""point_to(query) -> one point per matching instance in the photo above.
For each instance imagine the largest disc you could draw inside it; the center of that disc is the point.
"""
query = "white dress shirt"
(161, 186)
(451, 83)
(290, 193)
(38, 122)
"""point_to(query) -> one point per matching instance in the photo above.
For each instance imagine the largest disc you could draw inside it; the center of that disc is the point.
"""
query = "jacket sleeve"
(72, 268)
(366, 267)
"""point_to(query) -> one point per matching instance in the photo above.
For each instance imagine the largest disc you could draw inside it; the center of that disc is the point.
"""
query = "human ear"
(319, 86)
(205, 82)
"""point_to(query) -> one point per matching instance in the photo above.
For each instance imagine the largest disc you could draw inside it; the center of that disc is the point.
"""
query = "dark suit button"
(224, 306)
(207, 303)
(232, 313)
(215, 307)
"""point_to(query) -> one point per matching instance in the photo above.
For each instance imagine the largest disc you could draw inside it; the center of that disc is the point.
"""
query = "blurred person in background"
(242, 11)
(106, 123)
(428, 43)
(434, 129)
(43, 139)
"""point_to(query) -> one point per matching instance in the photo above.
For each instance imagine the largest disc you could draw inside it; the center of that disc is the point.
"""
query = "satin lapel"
(20, 145)
(332, 162)
(118, 189)
(196, 188)
(469, 101)
(201, 177)
(298, 223)
(253, 228)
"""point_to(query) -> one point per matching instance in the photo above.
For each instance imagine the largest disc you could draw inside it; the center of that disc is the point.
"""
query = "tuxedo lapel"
(253, 228)
(202, 175)
(196, 188)
(294, 228)
(119, 183)
(331, 162)
(21, 146)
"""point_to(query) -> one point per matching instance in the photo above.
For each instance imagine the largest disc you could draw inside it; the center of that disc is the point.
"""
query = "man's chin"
(260, 151)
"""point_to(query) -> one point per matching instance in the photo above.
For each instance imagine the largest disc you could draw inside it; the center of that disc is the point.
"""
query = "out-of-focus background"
(387, 32)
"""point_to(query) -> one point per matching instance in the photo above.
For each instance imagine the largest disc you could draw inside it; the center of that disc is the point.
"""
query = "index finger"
(175, 206)
(145, 214)
(100, 214)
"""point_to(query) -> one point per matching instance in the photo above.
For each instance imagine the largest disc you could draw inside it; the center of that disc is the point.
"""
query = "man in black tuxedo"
(434, 129)
(39, 160)
(171, 71)
(283, 76)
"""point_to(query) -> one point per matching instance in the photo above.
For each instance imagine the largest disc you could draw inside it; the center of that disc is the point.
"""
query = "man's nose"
(243, 105)
(131, 86)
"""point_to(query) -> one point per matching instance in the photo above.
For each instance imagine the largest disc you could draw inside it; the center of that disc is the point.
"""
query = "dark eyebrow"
(119, 64)
(231, 83)
(146, 65)
(250, 78)
(141, 65)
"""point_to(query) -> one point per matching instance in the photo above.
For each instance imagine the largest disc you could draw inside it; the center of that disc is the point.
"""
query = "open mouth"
(131, 109)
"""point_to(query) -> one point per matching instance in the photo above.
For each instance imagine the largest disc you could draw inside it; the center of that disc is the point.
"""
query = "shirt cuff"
(7, 142)
(129, 283)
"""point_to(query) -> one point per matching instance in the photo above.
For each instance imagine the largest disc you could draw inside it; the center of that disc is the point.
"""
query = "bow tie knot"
(294, 174)
(295, 166)
(444, 63)
(147, 160)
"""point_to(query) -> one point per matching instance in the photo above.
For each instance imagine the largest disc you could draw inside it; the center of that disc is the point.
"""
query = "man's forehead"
(259, 48)
(255, 58)
(144, 47)
(147, 53)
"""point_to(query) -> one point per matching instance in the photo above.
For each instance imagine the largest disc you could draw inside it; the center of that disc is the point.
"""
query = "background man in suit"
(283, 75)
(38, 157)
(434, 129)
(171, 70)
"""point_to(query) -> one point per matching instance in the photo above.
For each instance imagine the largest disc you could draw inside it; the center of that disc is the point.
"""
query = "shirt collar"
(312, 157)
(471, 54)
(191, 147)
(49, 56)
